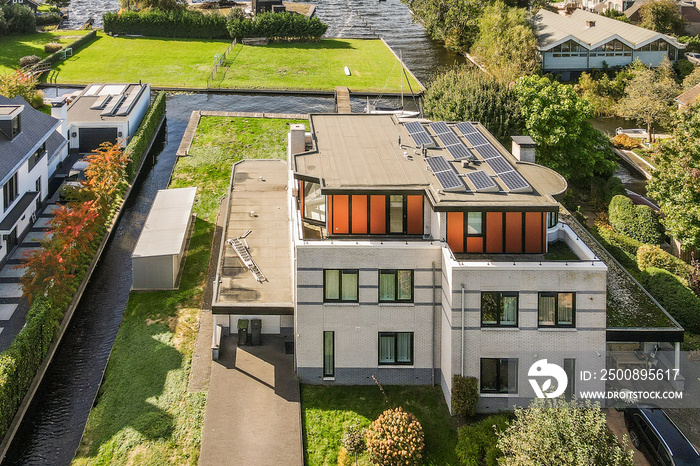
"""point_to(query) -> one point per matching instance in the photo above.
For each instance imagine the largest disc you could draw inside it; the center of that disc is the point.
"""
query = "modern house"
(688, 10)
(30, 143)
(105, 112)
(584, 40)
(410, 253)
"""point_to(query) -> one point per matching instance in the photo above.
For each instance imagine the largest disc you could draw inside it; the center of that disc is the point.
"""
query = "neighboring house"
(30, 142)
(34, 6)
(689, 12)
(688, 97)
(584, 40)
(411, 258)
(106, 113)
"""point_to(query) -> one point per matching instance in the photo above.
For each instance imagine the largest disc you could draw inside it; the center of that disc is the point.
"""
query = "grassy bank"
(326, 411)
(187, 63)
(15, 47)
(144, 414)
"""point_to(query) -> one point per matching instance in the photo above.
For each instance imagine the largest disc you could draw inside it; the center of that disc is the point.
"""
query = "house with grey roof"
(30, 143)
(585, 40)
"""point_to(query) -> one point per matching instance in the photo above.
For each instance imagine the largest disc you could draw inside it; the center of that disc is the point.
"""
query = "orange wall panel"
(415, 215)
(533, 232)
(359, 215)
(475, 244)
(341, 214)
(455, 231)
(377, 215)
(329, 217)
(494, 232)
(514, 232)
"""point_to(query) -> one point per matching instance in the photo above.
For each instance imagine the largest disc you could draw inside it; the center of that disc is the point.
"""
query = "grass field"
(187, 63)
(12, 48)
(144, 414)
(326, 411)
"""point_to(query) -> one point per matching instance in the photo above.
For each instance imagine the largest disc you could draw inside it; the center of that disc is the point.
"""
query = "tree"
(105, 175)
(395, 438)
(662, 16)
(557, 120)
(354, 440)
(455, 22)
(676, 180)
(554, 431)
(506, 43)
(20, 19)
(649, 95)
(468, 94)
(18, 84)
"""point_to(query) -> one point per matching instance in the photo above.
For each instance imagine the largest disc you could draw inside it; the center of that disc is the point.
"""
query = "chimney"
(590, 24)
(59, 110)
(297, 139)
(523, 148)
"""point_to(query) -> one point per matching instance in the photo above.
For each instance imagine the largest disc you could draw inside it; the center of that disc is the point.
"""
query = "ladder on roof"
(240, 245)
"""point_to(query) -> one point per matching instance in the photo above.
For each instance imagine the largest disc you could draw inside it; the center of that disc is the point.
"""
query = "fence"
(220, 62)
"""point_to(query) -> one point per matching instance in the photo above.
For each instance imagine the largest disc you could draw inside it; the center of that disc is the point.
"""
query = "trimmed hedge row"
(674, 296)
(637, 221)
(177, 23)
(139, 143)
(653, 256)
(286, 26)
(75, 45)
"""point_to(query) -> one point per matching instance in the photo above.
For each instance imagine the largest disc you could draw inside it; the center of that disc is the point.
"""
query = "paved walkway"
(253, 412)
(616, 423)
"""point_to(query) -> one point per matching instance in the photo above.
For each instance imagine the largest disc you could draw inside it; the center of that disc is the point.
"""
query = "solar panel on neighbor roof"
(514, 181)
(438, 164)
(460, 152)
(481, 181)
(488, 151)
(419, 135)
(466, 128)
(440, 127)
(449, 180)
(449, 139)
(499, 165)
(476, 139)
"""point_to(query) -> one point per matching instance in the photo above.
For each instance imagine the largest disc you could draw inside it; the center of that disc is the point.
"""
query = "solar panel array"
(445, 174)
(419, 135)
(482, 182)
(449, 139)
(514, 181)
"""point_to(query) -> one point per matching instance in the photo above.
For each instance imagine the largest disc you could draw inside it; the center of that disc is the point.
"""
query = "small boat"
(633, 132)
(399, 110)
(347, 71)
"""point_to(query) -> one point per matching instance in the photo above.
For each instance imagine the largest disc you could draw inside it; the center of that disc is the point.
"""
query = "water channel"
(53, 426)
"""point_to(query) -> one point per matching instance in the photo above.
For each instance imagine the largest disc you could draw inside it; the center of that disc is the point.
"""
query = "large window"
(340, 285)
(569, 48)
(36, 156)
(375, 214)
(475, 222)
(314, 202)
(499, 309)
(614, 48)
(557, 309)
(9, 191)
(329, 354)
(16, 126)
(395, 348)
(396, 286)
(499, 375)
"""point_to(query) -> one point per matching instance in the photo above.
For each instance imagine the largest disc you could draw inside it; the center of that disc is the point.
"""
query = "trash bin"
(242, 332)
(255, 332)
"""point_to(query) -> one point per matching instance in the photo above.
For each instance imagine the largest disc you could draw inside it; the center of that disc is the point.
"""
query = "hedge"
(674, 296)
(653, 256)
(465, 394)
(476, 444)
(139, 142)
(280, 26)
(48, 18)
(637, 221)
(18, 19)
(75, 45)
(177, 23)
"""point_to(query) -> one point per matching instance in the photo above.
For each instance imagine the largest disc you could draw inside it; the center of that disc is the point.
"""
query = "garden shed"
(157, 257)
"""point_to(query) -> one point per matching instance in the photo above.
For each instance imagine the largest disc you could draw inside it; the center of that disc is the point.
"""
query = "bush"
(637, 221)
(476, 444)
(28, 60)
(465, 394)
(48, 18)
(613, 187)
(396, 437)
(3, 23)
(139, 142)
(174, 23)
(353, 441)
(280, 26)
(52, 47)
(20, 19)
(37, 100)
(674, 296)
(653, 256)
(622, 141)
(621, 247)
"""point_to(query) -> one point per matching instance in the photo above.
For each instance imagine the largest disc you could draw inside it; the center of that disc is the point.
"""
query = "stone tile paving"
(6, 311)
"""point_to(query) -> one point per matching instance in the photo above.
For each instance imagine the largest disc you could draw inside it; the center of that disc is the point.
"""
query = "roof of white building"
(99, 101)
(553, 29)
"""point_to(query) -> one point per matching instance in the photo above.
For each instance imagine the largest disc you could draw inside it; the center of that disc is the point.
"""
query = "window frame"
(501, 295)
(556, 294)
(340, 286)
(395, 272)
(396, 362)
(10, 184)
(499, 361)
(332, 336)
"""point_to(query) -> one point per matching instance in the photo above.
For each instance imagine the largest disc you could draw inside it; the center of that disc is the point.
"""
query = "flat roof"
(257, 202)
(7, 110)
(361, 152)
(166, 226)
(93, 102)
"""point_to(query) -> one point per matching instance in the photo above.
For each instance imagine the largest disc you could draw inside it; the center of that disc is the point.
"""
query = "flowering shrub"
(395, 438)
(622, 141)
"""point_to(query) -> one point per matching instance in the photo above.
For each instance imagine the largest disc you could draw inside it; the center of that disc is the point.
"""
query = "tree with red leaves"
(106, 175)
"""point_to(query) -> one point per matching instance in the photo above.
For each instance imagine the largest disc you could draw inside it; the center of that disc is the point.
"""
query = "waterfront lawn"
(158, 61)
(144, 414)
(315, 65)
(15, 47)
(326, 411)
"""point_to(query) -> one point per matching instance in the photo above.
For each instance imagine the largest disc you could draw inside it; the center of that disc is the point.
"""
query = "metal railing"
(220, 60)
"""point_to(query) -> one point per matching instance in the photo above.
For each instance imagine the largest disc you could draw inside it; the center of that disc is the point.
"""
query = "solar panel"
(414, 127)
(440, 127)
(499, 165)
(476, 139)
(482, 182)
(449, 139)
(487, 151)
(438, 164)
(419, 135)
(460, 152)
(515, 182)
(450, 181)
(466, 128)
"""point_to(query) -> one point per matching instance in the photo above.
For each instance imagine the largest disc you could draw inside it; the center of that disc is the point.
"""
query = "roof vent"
(590, 24)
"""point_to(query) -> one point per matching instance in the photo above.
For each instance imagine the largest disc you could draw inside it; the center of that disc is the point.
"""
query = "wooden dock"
(342, 100)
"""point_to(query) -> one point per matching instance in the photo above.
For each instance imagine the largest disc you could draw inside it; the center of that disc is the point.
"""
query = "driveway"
(616, 423)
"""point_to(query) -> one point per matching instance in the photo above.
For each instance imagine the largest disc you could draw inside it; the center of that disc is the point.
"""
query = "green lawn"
(326, 411)
(15, 47)
(144, 414)
(187, 63)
